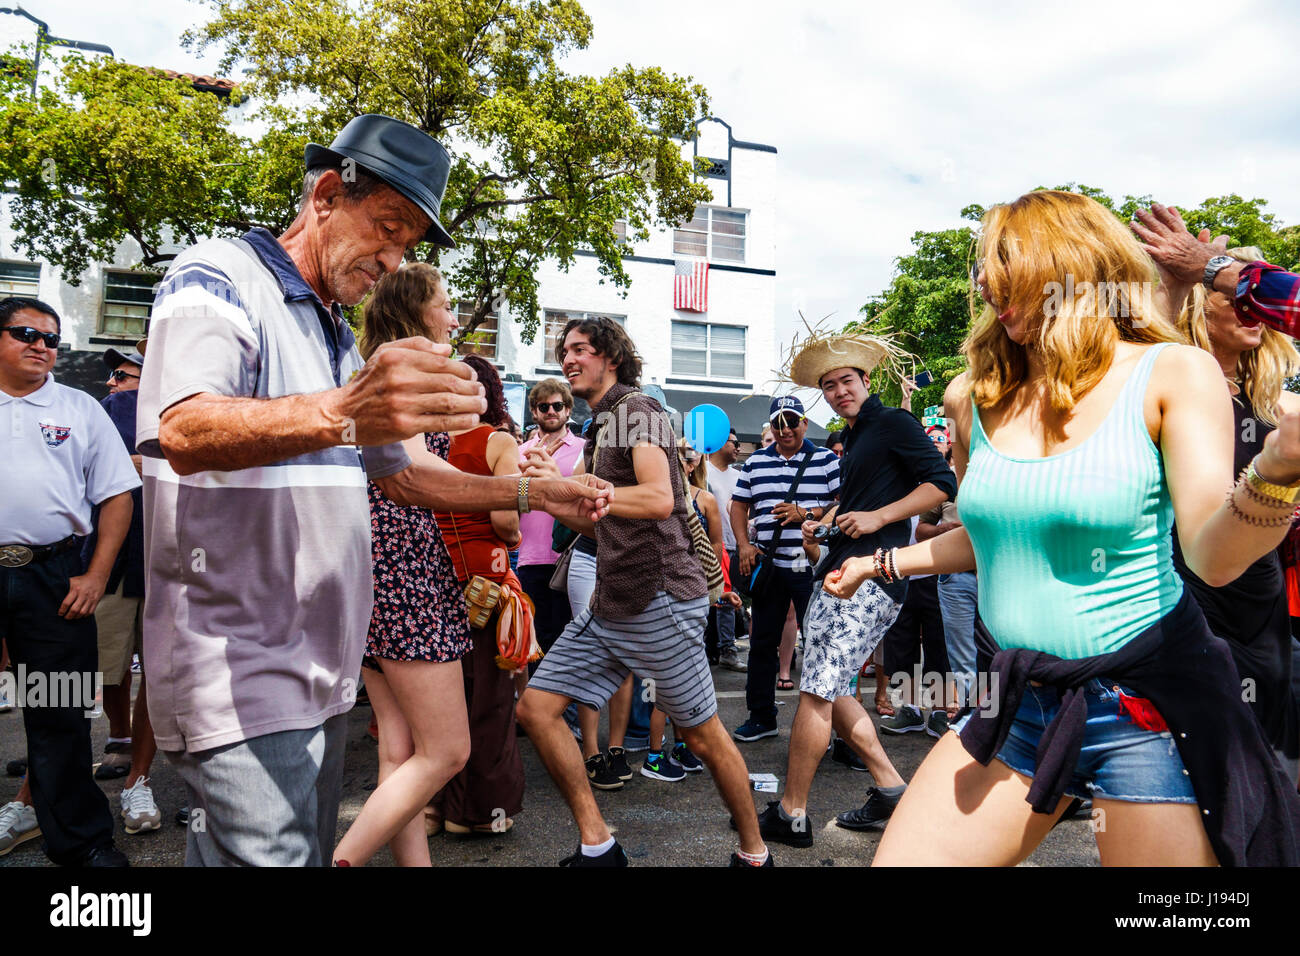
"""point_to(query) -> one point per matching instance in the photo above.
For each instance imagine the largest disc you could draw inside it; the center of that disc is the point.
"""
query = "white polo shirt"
(59, 455)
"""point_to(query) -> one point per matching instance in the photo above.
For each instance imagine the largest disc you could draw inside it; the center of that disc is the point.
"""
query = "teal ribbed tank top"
(1073, 551)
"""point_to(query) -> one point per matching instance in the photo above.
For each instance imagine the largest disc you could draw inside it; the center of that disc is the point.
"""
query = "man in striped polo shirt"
(253, 403)
(781, 486)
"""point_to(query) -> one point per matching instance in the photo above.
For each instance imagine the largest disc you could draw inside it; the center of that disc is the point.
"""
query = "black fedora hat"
(406, 158)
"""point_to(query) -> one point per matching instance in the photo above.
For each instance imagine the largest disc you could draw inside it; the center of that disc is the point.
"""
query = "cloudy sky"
(890, 117)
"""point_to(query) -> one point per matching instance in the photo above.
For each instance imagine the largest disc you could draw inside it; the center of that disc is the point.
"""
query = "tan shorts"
(118, 621)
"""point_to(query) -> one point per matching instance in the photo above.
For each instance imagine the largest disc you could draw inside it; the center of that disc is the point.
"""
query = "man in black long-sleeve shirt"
(890, 471)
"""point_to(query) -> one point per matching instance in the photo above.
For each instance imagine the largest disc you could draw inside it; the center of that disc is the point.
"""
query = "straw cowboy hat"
(821, 353)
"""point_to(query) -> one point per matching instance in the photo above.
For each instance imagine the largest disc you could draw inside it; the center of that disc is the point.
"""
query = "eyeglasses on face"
(550, 406)
(786, 423)
(118, 375)
(939, 438)
(27, 334)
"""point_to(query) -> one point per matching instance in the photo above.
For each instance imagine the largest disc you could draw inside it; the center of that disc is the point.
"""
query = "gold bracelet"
(1265, 500)
(1289, 494)
(523, 496)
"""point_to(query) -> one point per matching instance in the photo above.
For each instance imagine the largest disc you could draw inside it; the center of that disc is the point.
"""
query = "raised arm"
(407, 388)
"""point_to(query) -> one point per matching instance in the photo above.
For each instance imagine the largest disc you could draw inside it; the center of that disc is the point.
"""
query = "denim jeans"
(957, 593)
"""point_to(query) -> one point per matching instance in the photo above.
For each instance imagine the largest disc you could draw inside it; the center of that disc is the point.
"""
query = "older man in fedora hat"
(889, 472)
(252, 407)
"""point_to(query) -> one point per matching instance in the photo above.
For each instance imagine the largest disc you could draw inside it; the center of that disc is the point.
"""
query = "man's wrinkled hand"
(1167, 240)
(747, 555)
(406, 388)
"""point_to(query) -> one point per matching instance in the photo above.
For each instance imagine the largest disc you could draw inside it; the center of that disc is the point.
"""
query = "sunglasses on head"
(551, 406)
(25, 333)
(118, 375)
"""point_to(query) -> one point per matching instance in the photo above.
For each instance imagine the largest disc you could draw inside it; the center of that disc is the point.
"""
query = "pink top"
(535, 527)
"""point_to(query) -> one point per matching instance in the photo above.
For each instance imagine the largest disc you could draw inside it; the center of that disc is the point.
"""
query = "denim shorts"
(1118, 761)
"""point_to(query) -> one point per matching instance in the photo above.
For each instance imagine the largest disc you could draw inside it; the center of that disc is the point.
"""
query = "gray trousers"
(267, 801)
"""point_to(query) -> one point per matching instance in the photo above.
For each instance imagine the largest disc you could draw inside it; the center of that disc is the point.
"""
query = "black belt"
(18, 555)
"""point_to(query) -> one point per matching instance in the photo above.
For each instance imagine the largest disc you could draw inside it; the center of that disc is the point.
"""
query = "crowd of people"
(267, 515)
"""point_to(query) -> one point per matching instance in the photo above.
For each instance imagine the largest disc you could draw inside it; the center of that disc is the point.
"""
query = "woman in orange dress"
(487, 794)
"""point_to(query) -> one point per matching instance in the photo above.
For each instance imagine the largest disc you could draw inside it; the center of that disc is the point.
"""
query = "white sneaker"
(139, 812)
(17, 825)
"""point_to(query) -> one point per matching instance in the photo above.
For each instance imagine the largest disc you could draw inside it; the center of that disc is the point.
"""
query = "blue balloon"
(706, 428)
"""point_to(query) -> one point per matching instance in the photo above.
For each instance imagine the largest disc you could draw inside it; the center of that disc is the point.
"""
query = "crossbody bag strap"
(798, 475)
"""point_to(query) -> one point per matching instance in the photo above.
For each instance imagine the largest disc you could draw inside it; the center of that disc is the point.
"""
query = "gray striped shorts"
(663, 645)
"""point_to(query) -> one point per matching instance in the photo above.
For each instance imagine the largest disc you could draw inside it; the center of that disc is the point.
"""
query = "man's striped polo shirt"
(765, 481)
(259, 580)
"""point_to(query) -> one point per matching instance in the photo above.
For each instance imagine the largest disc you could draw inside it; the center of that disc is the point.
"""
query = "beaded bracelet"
(882, 565)
(893, 564)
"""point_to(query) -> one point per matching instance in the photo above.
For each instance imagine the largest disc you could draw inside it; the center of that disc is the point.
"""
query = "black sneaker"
(872, 815)
(796, 832)
(752, 730)
(737, 861)
(600, 776)
(16, 768)
(616, 760)
(659, 766)
(105, 856)
(841, 752)
(614, 856)
(685, 759)
(183, 817)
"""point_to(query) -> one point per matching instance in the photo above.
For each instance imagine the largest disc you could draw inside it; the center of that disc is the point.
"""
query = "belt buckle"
(15, 555)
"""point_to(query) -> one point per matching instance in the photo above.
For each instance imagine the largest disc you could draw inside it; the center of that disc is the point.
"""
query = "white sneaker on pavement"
(139, 812)
(17, 825)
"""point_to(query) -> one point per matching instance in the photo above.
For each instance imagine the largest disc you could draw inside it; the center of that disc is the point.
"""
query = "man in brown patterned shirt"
(651, 601)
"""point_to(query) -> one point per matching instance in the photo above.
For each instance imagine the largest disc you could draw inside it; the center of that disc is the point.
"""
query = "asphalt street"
(659, 824)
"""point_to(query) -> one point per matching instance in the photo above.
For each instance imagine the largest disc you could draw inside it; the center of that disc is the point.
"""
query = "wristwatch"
(1212, 269)
(523, 496)
(1289, 494)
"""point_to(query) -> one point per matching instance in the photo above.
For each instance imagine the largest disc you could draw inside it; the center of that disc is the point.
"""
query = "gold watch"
(1288, 493)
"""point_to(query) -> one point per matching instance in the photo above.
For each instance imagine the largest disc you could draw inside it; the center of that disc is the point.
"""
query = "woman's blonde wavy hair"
(1080, 276)
(1261, 371)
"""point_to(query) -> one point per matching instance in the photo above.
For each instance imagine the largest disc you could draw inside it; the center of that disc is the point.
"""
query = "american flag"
(691, 285)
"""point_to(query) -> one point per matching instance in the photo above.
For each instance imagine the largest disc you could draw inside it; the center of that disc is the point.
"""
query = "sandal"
(784, 683)
(490, 829)
(883, 707)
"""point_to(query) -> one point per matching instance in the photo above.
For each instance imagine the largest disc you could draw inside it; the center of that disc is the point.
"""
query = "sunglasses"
(939, 438)
(118, 375)
(786, 423)
(976, 268)
(551, 406)
(25, 333)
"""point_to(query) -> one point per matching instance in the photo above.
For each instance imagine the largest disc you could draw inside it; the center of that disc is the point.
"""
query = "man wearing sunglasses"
(781, 486)
(61, 458)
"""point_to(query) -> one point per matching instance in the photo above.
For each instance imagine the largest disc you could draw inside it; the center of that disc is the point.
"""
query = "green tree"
(111, 151)
(546, 163)
(927, 306)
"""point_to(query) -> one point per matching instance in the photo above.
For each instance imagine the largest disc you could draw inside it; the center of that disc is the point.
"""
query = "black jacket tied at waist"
(1250, 810)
